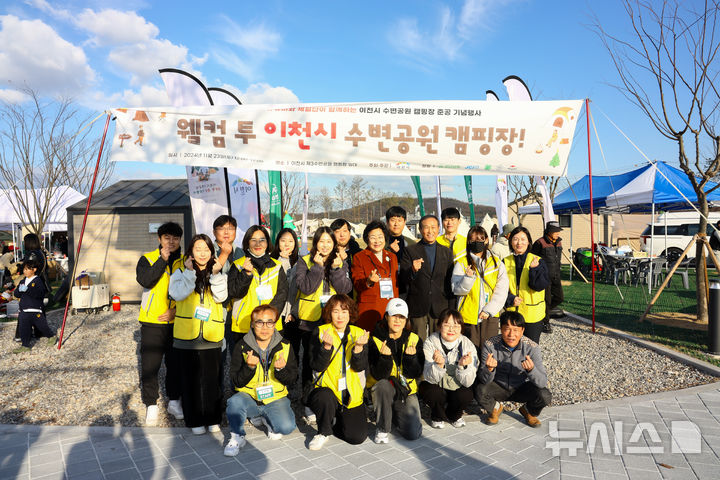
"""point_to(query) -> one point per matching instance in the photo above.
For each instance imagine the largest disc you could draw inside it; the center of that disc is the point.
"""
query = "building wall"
(113, 243)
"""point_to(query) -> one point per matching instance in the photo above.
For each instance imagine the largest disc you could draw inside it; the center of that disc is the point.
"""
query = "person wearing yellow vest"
(157, 314)
(339, 359)
(481, 283)
(255, 279)
(396, 364)
(199, 289)
(528, 277)
(451, 238)
(318, 276)
(262, 369)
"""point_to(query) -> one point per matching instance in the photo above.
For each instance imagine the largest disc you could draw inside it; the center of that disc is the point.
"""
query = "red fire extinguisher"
(116, 302)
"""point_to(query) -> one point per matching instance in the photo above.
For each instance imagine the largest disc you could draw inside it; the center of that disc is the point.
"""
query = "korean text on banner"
(208, 196)
(243, 199)
(400, 138)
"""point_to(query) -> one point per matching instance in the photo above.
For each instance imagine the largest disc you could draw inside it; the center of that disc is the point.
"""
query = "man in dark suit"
(425, 270)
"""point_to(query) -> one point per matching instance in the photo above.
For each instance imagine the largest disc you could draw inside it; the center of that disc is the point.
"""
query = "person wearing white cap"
(396, 363)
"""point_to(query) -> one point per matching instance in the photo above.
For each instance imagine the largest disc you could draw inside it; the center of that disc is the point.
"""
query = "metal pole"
(714, 319)
(592, 229)
(572, 256)
(82, 231)
(652, 246)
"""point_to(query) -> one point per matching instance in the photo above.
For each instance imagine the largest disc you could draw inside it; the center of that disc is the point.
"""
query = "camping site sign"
(397, 138)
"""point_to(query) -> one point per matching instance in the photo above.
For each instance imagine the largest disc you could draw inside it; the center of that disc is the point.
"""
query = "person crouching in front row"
(339, 359)
(512, 370)
(450, 366)
(263, 367)
(396, 363)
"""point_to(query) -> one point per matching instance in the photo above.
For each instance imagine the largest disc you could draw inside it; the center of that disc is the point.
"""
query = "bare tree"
(357, 194)
(44, 146)
(293, 189)
(668, 68)
(326, 201)
(524, 190)
(341, 194)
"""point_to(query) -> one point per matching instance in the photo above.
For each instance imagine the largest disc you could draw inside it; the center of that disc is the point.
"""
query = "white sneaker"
(381, 437)
(436, 424)
(310, 416)
(233, 446)
(214, 428)
(151, 417)
(270, 433)
(198, 430)
(459, 423)
(317, 442)
(175, 409)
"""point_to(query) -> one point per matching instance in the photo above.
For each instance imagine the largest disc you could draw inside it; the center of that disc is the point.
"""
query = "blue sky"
(107, 53)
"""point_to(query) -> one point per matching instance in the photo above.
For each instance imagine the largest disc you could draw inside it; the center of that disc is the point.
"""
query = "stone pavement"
(647, 437)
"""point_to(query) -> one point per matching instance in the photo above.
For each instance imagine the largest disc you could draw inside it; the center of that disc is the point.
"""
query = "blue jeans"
(278, 414)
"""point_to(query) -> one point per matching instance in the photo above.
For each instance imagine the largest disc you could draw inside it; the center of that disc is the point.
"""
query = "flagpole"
(592, 227)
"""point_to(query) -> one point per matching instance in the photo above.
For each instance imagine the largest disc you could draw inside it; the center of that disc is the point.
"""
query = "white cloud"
(257, 43)
(445, 40)
(32, 54)
(113, 27)
(264, 93)
(142, 60)
(13, 96)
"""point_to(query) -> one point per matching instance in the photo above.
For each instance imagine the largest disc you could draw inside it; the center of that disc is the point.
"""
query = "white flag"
(548, 213)
(501, 201)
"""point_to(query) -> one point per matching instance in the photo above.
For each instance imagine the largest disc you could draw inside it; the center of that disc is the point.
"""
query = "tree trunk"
(701, 264)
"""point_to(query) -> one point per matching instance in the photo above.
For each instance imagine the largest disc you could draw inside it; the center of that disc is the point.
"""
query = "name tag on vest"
(264, 392)
(264, 292)
(202, 313)
(386, 288)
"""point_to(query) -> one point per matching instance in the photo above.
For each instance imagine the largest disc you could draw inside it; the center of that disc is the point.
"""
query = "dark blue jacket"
(34, 295)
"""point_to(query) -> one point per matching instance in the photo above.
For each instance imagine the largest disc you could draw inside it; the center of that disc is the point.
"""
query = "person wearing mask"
(396, 364)
(512, 370)
(396, 217)
(157, 316)
(451, 364)
(339, 360)
(501, 248)
(481, 284)
(263, 367)
(347, 246)
(320, 275)
(255, 279)
(528, 279)
(451, 238)
(426, 270)
(549, 248)
(374, 276)
(286, 252)
(199, 289)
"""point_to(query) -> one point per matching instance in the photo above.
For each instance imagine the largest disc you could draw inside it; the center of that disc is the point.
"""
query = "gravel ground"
(93, 379)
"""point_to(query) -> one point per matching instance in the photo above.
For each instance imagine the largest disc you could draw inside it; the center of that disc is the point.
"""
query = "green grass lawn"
(621, 308)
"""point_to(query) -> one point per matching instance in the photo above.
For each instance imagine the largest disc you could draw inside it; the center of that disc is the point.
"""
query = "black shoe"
(547, 328)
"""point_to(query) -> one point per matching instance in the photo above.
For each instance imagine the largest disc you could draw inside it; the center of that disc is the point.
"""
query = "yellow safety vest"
(309, 307)
(355, 381)
(412, 340)
(532, 307)
(458, 247)
(243, 307)
(279, 390)
(188, 327)
(469, 305)
(155, 301)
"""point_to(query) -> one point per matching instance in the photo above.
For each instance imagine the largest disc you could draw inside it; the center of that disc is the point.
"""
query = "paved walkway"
(665, 435)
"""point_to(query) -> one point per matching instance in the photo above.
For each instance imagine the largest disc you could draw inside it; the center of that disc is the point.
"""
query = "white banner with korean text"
(398, 138)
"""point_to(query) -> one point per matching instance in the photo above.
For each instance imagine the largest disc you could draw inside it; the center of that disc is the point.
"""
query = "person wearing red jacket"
(374, 274)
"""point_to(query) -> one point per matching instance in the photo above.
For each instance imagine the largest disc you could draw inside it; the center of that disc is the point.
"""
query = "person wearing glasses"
(374, 276)
(255, 279)
(263, 367)
(451, 364)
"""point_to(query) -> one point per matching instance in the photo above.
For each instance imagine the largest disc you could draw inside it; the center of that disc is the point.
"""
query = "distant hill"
(376, 209)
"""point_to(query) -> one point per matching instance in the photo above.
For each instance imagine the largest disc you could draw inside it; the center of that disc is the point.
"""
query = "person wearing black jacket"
(31, 291)
(426, 271)
(262, 369)
(549, 248)
(396, 363)
(347, 246)
(157, 316)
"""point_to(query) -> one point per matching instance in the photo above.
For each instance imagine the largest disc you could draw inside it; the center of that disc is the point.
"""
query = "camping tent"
(61, 198)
